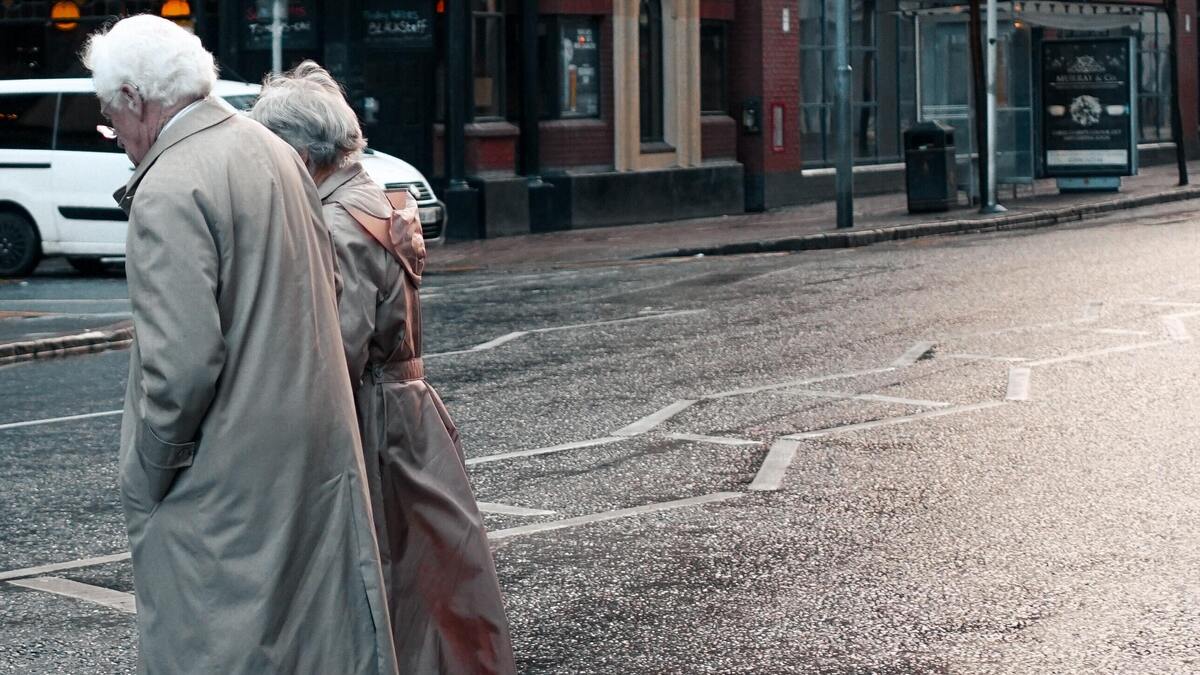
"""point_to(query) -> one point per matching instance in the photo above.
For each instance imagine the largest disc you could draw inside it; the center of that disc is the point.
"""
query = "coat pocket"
(161, 461)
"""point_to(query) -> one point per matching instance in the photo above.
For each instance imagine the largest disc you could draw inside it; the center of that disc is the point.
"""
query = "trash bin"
(929, 167)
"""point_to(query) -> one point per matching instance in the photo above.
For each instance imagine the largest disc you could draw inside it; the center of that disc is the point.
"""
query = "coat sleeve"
(356, 257)
(173, 275)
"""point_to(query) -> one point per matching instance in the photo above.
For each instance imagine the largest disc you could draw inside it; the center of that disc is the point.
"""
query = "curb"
(855, 238)
(116, 336)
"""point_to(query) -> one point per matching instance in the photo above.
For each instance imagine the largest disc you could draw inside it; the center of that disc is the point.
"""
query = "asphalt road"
(970, 454)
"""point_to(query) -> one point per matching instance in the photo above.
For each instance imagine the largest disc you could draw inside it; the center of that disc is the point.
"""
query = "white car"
(58, 174)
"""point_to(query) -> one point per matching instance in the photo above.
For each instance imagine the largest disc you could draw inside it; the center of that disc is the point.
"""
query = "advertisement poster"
(400, 25)
(580, 57)
(1088, 110)
(299, 26)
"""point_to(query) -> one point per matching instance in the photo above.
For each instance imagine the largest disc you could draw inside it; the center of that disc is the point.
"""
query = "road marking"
(719, 440)
(27, 301)
(545, 451)
(73, 589)
(654, 419)
(509, 337)
(1120, 331)
(1175, 328)
(1166, 303)
(913, 354)
(612, 515)
(1091, 311)
(1018, 384)
(878, 398)
(1099, 352)
(889, 421)
(796, 383)
(779, 458)
(985, 357)
(509, 510)
(55, 420)
(57, 567)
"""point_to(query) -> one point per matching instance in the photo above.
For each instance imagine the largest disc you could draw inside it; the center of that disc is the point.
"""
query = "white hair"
(166, 63)
(307, 108)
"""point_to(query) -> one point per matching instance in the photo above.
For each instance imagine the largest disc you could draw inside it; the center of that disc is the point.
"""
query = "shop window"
(78, 115)
(27, 121)
(488, 58)
(650, 70)
(714, 66)
(569, 66)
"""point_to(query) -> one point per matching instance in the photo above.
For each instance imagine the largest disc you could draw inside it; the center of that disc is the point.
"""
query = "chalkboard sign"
(299, 27)
(405, 27)
(1088, 110)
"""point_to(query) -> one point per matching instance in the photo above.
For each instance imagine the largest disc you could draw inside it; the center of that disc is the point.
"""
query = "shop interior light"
(176, 10)
(61, 14)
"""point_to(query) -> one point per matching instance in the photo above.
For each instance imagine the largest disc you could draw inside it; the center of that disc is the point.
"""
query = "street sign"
(1089, 110)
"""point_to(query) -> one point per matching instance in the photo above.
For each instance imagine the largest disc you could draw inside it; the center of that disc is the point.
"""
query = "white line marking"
(1165, 303)
(509, 510)
(1018, 384)
(73, 589)
(509, 337)
(1175, 328)
(612, 515)
(1099, 352)
(55, 420)
(911, 356)
(796, 383)
(59, 301)
(879, 398)
(985, 357)
(545, 451)
(719, 440)
(819, 433)
(1091, 311)
(779, 458)
(1120, 331)
(654, 419)
(647, 317)
(492, 344)
(56, 567)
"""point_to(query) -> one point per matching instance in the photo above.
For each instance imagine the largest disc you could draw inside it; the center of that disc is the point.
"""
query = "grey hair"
(307, 108)
(163, 61)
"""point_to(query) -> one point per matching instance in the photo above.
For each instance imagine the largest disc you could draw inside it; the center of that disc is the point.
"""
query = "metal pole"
(843, 117)
(277, 14)
(978, 94)
(458, 46)
(989, 199)
(530, 152)
(1176, 115)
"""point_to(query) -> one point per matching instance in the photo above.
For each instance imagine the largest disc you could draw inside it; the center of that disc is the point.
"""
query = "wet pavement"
(992, 464)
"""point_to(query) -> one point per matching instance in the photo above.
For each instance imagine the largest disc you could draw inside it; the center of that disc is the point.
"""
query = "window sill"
(491, 129)
(657, 148)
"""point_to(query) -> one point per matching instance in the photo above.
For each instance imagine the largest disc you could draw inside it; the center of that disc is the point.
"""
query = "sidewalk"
(878, 218)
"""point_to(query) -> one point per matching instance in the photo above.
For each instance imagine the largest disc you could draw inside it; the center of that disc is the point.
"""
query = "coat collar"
(370, 201)
(211, 112)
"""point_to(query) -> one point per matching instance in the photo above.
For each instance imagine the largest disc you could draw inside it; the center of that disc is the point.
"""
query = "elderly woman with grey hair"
(446, 610)
(241, 473)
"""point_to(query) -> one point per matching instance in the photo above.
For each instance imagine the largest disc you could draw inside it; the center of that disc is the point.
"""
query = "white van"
(58, 174)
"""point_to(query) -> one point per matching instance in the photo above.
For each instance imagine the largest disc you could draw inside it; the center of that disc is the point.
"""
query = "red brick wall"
(1189, 102)
(722, 10)
(576, 7)
(718, 137)
(766, 64)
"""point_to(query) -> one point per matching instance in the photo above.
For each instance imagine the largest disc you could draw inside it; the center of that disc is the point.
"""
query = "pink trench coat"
(446, 610)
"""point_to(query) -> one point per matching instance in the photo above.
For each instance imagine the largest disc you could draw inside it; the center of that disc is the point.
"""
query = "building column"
(1186, 82)
(462, 201)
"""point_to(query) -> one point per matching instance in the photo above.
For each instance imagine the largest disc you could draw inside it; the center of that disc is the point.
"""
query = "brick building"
(647, 109)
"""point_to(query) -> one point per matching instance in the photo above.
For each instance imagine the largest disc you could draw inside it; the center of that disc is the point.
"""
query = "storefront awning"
(1045, 13)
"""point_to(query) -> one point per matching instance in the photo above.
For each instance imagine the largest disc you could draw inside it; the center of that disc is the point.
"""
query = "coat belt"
(399, 371)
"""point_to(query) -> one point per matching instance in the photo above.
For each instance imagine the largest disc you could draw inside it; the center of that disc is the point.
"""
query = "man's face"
(136, 129)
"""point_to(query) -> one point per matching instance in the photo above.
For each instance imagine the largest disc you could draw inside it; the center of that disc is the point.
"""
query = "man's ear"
(132, 99)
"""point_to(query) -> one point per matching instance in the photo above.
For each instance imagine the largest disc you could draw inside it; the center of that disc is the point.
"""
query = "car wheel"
(20, 245)
(89, 266)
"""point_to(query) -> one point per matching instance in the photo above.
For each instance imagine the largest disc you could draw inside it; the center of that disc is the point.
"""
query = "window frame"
(500, 81)
(725, 108)
(656, 136)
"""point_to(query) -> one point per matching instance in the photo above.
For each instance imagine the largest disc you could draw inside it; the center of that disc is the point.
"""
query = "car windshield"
(241, 101)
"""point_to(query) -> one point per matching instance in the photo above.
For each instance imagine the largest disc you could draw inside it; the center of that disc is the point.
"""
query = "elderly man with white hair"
(240, 464)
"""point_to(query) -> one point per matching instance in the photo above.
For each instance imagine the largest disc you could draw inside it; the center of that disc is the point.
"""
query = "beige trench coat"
(446, 608)
(240, 464)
